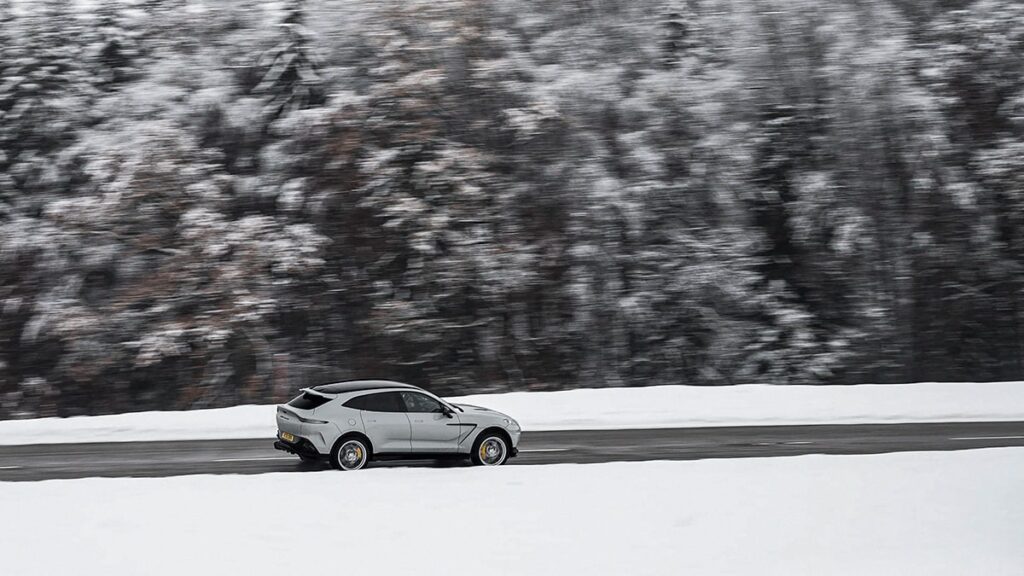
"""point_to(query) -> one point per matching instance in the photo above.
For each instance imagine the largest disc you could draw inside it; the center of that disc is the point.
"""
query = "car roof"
(361, 385)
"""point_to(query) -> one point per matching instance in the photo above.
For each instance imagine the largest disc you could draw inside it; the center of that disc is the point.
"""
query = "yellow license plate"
(287, 437)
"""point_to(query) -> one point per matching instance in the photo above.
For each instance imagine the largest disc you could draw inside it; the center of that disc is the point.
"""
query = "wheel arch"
(496, 429)
(354, 434)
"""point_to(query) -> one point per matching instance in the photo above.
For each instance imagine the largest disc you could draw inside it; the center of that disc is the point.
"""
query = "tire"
(490, 449)
(350, 454)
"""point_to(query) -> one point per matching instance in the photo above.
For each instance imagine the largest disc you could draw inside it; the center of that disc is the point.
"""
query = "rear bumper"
(301, 447)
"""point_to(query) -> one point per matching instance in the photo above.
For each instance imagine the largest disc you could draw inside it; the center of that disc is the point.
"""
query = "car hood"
(471, 407)
(481, 412)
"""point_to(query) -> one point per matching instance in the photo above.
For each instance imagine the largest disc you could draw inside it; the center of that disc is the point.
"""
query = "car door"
(385, 421)
(432, 430)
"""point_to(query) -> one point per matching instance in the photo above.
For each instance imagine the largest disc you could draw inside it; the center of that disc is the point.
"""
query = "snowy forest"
(207, 203)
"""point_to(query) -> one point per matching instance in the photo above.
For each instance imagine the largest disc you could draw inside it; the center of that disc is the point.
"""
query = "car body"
(350, 423)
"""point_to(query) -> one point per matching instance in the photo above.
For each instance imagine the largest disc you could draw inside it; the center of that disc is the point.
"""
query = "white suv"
(350, 423)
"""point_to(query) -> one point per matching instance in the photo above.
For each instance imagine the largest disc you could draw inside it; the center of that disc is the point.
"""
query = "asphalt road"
(151, 459)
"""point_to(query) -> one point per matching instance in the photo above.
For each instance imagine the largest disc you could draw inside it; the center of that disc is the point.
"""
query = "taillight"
(310, 420)
(288, 414)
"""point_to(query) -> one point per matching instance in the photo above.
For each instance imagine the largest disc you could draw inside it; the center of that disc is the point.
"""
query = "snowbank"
(759, 405)
(931, 514)
(655, 407)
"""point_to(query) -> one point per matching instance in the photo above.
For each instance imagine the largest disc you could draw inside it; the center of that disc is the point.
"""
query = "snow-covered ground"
(929, 514)
(586, 409)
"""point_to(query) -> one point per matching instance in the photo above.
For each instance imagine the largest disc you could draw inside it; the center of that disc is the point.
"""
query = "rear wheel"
(490, 449)
(350, 454)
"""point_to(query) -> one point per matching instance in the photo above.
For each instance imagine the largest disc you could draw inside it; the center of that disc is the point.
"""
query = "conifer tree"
(291, 80)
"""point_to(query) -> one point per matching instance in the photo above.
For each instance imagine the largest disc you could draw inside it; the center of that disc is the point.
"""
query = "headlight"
(511, 424)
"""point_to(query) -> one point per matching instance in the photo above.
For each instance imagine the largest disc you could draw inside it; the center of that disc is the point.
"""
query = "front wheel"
(491, 449)
(349, 455)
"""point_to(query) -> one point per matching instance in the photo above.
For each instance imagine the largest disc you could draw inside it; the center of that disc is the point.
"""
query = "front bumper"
(514, 435)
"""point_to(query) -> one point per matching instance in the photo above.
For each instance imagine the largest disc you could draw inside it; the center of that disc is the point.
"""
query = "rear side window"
(357, 403)
(379, 402)
(308, 401)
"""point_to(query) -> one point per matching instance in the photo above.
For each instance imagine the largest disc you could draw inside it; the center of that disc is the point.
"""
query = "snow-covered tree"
(290, 79)
(44, 97)
(480, 195)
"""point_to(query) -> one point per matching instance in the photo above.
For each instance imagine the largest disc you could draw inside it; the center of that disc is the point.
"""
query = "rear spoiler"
(316, 392)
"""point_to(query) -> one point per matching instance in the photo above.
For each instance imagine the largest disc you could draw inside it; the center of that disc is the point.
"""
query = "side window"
(357, 403)
(416, 402)
(380, 402)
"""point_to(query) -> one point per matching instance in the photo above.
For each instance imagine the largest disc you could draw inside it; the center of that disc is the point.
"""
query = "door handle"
(418, 421)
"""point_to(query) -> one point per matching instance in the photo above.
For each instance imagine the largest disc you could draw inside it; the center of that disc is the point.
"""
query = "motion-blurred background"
(206, 203)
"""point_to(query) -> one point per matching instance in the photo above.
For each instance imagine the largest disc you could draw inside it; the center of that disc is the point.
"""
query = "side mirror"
(447, 411)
